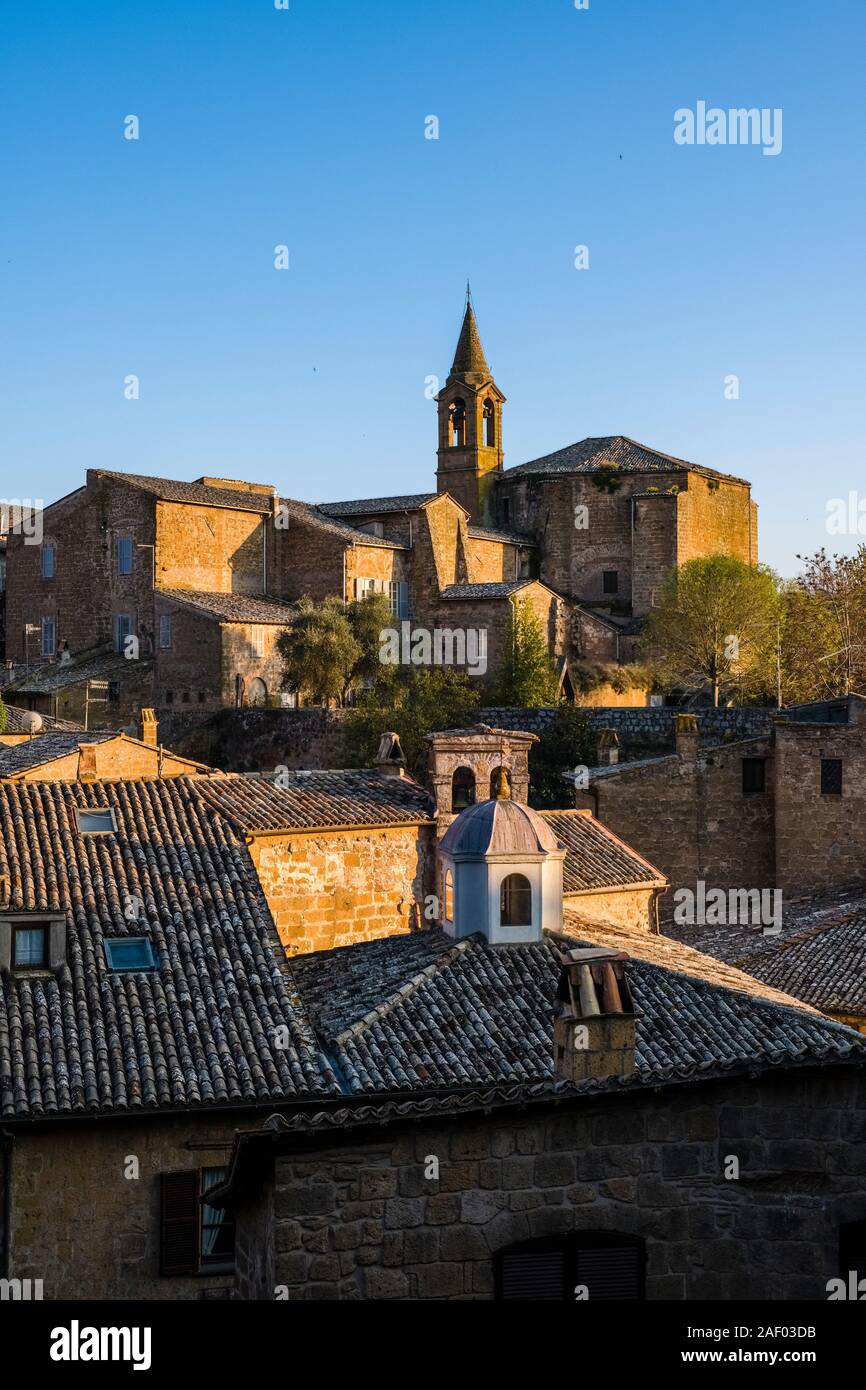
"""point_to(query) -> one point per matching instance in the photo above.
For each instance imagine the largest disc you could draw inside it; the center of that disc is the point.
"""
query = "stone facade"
(333, 888)
(355, 1216)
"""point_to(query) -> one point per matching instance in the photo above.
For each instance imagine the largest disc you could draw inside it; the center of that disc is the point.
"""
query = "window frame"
(257, 639)
(165, 627)
(109, 942)
(826, 764)
(48, 623)
(513, 892)
(572, 1244)
(182, 1226)
(78, 811)
(122, 542)
(753, 764)
(48, 549)
(606, 576)
(30, 966)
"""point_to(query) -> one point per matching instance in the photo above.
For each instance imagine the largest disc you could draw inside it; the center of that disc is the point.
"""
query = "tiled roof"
(485, 591)
(91, 666)
(319, 518)
(488, 533)
(819, 956)
(613, 451)
(231, 608)
(370, 506)
(311, 800)
(468, 1014)
(595, 856)
(43, 748)
(201, 1028)
(172, 490)
(15, 724)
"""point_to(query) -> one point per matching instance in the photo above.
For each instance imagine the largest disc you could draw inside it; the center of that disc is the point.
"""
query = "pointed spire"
(469, 360)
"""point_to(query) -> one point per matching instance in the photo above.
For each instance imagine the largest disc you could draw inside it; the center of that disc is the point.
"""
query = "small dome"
(498, 827)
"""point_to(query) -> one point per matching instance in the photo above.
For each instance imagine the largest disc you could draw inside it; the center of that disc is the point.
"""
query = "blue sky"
(305, 127)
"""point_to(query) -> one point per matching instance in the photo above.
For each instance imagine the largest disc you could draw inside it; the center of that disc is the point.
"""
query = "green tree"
(715, 628)
(330, 649)
(567, 744)
(526, 677)
(421, 701)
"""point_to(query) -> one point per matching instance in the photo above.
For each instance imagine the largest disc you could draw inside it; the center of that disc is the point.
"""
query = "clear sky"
(306, 127)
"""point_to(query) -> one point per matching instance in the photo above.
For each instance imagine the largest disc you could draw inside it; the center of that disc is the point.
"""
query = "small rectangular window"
(610, 581)
(129, 953)
(165, 631)
(194, 1238)
(29, 948)
(95, 821)
(124, 555)
(122, 630)
(754, 776)
(217, 1226)
(398, 595)
(831, 776)
(49, 637)
(48, 562)
(257, 639)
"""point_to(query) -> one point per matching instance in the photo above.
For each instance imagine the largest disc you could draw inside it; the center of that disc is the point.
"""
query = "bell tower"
(470, 426)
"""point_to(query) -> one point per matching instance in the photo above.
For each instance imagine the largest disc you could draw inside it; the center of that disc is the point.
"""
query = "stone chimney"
(390, 760)
(687, 736)
(607, 748)
(594, 1030)
(87, 769)
(147, 727)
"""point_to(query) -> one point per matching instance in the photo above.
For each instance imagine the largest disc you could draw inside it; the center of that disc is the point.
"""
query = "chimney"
(686, 735)
(147, 727)
(389, 760)
(594, 1029)
(87, 770)
(607, 748)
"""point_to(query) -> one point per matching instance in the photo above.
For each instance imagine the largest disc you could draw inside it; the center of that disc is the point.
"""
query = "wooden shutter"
(179, 1223)
(610, 1272)
(534, 1274)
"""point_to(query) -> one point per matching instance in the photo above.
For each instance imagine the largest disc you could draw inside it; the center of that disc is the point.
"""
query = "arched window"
(257, 693)
(457, 424)
(607, 1265)
(489, 413)
(496, 777)
(448, 894)
(462, 789)
(515, 902)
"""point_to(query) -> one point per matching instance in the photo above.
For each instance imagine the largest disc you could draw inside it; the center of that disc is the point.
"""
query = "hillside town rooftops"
(103, 664)
(44, 748)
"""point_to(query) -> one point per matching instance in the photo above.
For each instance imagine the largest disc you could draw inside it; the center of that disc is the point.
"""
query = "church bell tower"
(470, 426)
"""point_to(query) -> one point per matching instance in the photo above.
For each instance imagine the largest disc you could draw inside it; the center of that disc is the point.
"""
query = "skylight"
(130, 953)
(95, 820)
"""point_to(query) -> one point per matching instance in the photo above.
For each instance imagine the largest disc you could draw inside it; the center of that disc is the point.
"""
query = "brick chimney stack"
(390, 760)
(594, 1031)
(147, 727)
(687, 736)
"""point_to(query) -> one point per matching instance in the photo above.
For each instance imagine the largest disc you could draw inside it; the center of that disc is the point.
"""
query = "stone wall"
(358, 1219)
(820, 838)
(335, 888)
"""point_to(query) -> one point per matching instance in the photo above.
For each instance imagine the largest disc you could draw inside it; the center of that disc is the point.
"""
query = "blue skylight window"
(130, 953)
(95, 820)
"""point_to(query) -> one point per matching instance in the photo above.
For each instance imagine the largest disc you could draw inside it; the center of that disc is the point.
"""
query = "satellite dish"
(31, 722)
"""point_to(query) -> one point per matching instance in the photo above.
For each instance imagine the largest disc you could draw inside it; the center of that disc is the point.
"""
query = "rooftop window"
(95, 820)
(129, 953)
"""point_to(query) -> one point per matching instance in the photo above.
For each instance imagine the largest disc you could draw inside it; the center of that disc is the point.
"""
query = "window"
(515, 902)
(506, 511)
(257, 692)
(457, 424)
(122, 630)
(462, 789)
(48, 562)
(609, 1265)
(95, 820)
(610, 581)
(449, 896)
(257, 639)
(113, 692)
(49, 637)
(489, 414)
(831, 776)
(754, 776)
(124, 555)
(194, 1238)
(364, 587)
(398, 595)
(169, 697)
(129, 953)
(164, 631)
(29, 948)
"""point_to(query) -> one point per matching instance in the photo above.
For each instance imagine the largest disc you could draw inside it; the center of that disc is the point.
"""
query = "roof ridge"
(411, 985)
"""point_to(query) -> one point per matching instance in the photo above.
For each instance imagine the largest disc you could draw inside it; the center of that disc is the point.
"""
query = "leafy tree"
(567, 744)
(824, 641)
(527, 676)
(421, 701)
(716, 627)
(330, 648)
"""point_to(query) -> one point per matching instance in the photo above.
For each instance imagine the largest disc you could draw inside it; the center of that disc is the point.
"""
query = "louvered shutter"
(534, 1274)
(179, 1218)
(610, 1272)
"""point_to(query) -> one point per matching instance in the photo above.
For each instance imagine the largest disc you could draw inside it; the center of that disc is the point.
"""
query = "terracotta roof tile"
(310, 800)
(595, 856)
